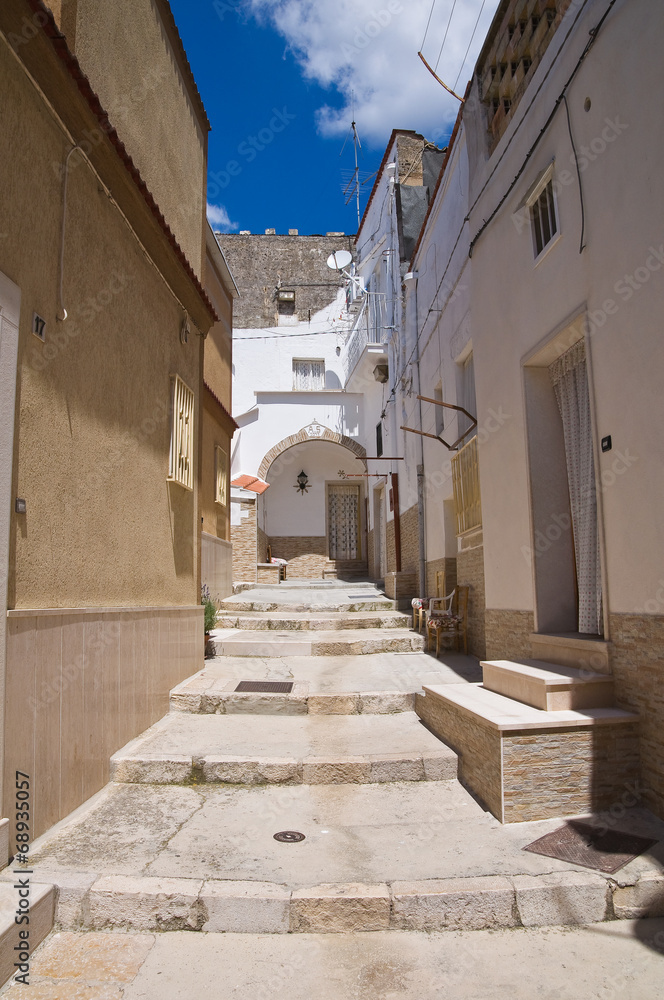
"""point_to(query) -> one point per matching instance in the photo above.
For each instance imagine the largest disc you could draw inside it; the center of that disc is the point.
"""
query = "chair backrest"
(440, 584)
(460, 600)
(269, 553)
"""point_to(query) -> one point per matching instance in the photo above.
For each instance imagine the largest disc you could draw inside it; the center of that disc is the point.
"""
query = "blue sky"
(279, 79)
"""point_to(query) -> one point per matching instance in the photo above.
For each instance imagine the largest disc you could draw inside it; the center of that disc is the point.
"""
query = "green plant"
(210, 613)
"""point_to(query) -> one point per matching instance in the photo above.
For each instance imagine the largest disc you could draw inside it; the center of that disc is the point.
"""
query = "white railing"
(369, 328)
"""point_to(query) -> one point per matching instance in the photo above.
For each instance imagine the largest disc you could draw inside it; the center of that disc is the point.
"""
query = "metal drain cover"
(289, 837)
(582, 844)
(266, 687)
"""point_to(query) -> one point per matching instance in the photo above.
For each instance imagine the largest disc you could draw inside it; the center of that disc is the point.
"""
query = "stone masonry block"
(454, 904)
(561, 898)
(340, 908)
(336, 771)
(441, 766)
(386, 702)
(246, 907)
(145, 904)
(644, 899)
(333, 704)
(172, 769)
(42, 905)
(396, 767)
(261, 771)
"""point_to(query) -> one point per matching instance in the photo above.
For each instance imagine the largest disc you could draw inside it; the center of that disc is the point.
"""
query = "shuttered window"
(181, 458)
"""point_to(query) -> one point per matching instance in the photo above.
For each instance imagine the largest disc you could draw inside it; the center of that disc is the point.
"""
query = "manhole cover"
(266, 687)
(582, 844)
(289, 837)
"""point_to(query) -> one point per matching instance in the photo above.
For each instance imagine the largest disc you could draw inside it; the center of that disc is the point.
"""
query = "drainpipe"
(412, 276)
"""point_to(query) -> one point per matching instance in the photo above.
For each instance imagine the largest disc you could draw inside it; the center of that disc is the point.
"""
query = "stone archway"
(312, 432)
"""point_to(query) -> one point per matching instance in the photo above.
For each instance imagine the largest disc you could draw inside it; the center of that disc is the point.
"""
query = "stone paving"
(184, 837)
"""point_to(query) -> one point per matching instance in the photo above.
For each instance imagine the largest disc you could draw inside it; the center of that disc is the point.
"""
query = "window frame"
(184, 399)
(532, 202)
(220, 476)
(309, 361)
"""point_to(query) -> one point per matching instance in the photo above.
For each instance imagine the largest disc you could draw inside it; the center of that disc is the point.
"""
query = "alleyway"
(183, 838)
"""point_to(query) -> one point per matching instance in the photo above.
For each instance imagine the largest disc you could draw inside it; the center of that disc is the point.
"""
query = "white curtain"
(570, 383)
(308, 376)
(343, 510)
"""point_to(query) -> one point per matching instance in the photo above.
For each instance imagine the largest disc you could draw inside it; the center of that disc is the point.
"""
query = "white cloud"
(369, 48)
(218, 217)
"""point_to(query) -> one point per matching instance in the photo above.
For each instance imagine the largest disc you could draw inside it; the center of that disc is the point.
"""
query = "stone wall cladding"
(637, 662)
(261, 545)
(400, 586)
(568, 772)
(259, 262)
(244, 539)
(447, 566)
(306, 556)
(470, 570)
(478, 748)
(371, 562)
(391, 549)
(508, 634)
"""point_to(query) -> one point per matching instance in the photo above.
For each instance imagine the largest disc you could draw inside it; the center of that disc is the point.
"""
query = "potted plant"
(209, 614)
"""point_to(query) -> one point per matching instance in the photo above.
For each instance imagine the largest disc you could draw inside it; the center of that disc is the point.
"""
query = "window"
(543, 217)
(286, 302)
(181, 457)
(467, 397)
(221, 476)
(379, 439)
(308, 375)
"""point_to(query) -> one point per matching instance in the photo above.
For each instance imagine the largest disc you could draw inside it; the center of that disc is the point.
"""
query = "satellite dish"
(338, 260)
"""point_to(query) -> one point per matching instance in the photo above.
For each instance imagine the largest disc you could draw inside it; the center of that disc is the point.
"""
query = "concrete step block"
(549, 687)
(39, 905)
(643, 899)
(334, 909)
(246, 908)
(275, 622)
(454, 904)
(146, 904)
(562, 898)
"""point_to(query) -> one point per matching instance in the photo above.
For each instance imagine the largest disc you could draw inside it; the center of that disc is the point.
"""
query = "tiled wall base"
(216, 566)
(637, 663)
(470, 570)
(535, 774)
(80, 684)
(508, 634)
(244, 537)
(401, 586)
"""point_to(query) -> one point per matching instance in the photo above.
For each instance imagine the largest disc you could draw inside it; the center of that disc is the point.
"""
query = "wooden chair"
(450, 622)
(422, 605)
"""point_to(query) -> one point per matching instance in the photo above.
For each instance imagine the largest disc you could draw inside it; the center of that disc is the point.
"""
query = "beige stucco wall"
(125, 50)
(103, 526)
(215, 518)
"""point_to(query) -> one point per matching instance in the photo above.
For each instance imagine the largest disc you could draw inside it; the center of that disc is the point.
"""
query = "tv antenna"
(353, 186)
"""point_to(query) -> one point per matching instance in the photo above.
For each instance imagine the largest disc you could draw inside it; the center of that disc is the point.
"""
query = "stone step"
(527, 764)
(205, 857)
(39, 906)
(267, 621)
(204, 696)
(548, 686)
(324, 643)
(314, 750)
(312, 607)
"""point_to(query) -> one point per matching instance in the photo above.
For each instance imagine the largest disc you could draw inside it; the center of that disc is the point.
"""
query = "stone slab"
(41, 911)
(246, 907)
(547, 686)
(643, 899)
(145, 904)
(334, 908)
(561, 898)
(454, 904)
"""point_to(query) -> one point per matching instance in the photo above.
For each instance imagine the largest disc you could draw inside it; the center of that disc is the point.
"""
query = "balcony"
(367, 338)
(466, 484)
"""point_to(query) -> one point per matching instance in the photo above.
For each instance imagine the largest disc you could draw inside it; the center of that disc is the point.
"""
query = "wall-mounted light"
(302, 483)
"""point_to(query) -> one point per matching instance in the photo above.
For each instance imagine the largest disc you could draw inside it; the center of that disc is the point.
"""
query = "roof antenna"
(353, 186)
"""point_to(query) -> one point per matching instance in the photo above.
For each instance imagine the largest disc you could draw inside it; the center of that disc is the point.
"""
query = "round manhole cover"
(289, 837)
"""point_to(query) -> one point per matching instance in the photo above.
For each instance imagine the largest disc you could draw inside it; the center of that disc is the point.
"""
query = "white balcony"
(368, 336)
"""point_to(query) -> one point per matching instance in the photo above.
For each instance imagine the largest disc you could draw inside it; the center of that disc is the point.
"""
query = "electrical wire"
(427, 27)
(469, 44)
(578, 174)
(449, 21)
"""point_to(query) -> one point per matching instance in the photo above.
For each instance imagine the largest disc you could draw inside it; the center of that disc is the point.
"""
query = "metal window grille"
(466, 485)
(181, 458)
(221, 476)
(308, 375)
(543, 215)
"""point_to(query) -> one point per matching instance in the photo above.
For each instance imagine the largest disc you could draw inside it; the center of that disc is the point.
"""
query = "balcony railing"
(369, 328)
(466, 484)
